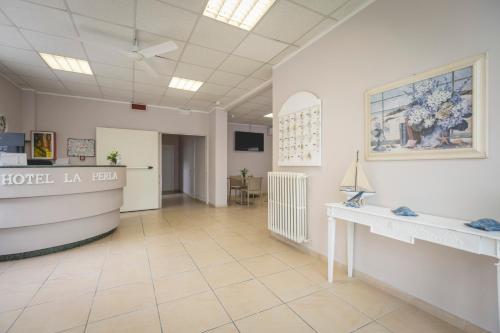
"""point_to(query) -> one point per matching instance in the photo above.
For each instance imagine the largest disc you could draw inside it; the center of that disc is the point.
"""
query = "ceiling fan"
(132, 51)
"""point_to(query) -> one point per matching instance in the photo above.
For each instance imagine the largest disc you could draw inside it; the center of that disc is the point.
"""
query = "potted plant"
(113, 157)
(243, 173)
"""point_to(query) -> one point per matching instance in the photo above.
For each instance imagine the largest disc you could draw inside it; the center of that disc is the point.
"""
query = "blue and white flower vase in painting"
(426, 118)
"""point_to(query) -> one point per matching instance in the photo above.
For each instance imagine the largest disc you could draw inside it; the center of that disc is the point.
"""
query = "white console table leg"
(498, 294)
(331, 247)
(350, 248)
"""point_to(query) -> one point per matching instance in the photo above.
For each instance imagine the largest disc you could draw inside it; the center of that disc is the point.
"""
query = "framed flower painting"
(439, 114)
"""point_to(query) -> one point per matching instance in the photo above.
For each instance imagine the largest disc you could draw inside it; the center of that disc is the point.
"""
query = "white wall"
(257, 163)
(77, 118)
(193, 166)
(10, 105)
(217, 152)
(388, 41)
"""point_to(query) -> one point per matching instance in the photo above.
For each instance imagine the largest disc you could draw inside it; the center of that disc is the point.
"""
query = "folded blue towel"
(404, 211)
(485, 224)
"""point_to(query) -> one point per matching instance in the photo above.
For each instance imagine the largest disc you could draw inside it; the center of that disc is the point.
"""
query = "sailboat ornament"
(355, 185)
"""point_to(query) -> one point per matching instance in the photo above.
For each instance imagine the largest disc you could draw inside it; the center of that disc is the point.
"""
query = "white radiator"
(287, 205)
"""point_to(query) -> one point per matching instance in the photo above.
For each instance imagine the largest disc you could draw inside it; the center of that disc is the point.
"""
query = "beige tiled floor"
(191, 268)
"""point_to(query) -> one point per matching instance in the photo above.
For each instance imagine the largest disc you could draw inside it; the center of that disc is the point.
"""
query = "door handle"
(149, 167)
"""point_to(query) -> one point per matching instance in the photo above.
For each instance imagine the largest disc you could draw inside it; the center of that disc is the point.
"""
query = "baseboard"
(444, 315)
(195, 197)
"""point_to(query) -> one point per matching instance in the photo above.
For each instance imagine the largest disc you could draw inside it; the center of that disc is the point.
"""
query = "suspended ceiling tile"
(214, 88)
(39, 18)
(107, 35)
(149, 89)
(192, 72)
(113, 83)
(237, 92)
(348, 8)
(259, 48)
(9, 36)
(193, 5)
(203, 96)
(22, 56)
(120, 12)
(250, 83)
(75, 77)
(239, 65)
(160, 18)
(287, 21)
(217, 35)
(225, 78)
(178, 93)
(46, 85)
(147, 39)
(324, 7)
(289, 50)
(55, 45)
(202, 56)
(316, 31)
(118, 94)
(264, 73)
(146, 78)
(114, 72)
(30, 71)
(51, 3)
(107, 55)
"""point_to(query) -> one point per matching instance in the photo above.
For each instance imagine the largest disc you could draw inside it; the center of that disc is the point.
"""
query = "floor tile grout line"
(152, 281)
(283, 303)
(213, 291)
(32, 297)
(96, 288)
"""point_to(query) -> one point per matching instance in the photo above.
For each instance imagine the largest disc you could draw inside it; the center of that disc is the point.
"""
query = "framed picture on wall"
(43, 145)
(81, 148)
(439, 114)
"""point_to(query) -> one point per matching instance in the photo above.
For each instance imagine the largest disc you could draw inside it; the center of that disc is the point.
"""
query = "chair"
(253, 187)
(235, 183)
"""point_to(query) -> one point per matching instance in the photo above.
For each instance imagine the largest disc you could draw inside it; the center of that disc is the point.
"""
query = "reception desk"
(44, 209)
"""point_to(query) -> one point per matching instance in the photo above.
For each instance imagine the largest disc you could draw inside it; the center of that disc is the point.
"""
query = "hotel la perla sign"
(40, 178)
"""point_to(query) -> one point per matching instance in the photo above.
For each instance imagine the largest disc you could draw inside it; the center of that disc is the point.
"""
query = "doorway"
(140, 154)
(184, 167)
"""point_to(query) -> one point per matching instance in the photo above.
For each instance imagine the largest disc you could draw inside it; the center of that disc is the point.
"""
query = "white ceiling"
(253, 109)
(230, 60)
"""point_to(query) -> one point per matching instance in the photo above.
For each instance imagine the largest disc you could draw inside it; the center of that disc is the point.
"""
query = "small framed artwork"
(439, 114)
(81, 148)
(43, 145)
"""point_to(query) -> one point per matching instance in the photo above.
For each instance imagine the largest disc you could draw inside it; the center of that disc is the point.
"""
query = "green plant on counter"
(244, 172)
(113, 157)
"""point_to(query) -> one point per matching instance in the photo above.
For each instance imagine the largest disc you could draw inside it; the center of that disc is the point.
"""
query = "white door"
(139, 151)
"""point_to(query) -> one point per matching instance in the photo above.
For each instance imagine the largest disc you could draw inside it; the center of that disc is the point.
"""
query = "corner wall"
(388, 41)
(257, 163)
(10, 105)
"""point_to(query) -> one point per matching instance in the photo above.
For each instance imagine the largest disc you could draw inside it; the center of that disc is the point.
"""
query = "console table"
(439, 230)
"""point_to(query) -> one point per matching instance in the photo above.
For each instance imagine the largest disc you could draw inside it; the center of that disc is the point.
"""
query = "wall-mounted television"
(11, 142)
(248, 141)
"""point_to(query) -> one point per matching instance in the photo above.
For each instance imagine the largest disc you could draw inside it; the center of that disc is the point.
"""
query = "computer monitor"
(11, 142)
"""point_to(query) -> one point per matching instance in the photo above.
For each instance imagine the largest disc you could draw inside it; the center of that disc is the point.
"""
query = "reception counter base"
(32, 241)
(54, 249)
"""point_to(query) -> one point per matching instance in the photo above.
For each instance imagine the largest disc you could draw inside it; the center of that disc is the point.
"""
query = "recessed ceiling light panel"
(269, 115)
(67, 64)
(243, 14)
(184, 84)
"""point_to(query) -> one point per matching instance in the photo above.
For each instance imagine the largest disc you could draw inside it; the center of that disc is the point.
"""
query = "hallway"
(193, 268)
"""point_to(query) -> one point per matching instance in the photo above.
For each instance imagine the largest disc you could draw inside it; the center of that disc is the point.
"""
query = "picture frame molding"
(479, 149)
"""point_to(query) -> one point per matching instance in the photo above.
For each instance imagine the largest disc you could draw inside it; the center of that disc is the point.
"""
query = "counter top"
(60, 166)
